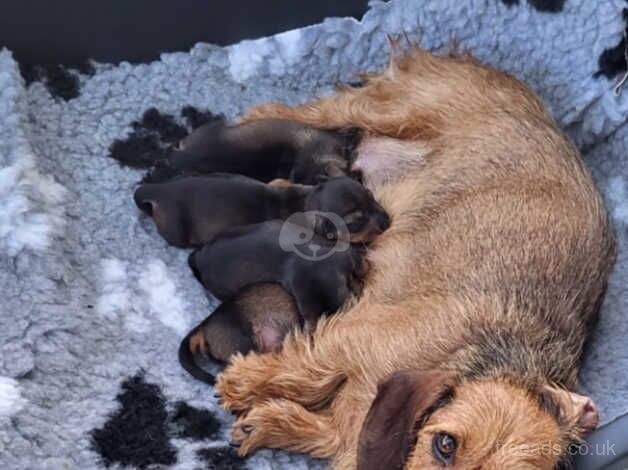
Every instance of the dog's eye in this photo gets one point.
(444, 448)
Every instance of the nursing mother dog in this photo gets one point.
(463, 351)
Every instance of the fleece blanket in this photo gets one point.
(93, 303)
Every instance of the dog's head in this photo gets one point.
(427, 419)
(362, 216)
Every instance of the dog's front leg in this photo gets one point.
(297, 373)
(311, 368)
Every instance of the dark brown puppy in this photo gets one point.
(266, 150)
(318, 273)
(190, 211)
(257, 319)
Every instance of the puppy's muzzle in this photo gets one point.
(378, 224)
(382, 221)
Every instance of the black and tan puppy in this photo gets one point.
(257, 319)
(265, 150)
(319, 274)
(191, 211)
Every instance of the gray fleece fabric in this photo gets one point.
(94, 303)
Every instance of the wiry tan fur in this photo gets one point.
(494, 268)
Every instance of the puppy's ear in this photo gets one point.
(572, 411)
(389, 430)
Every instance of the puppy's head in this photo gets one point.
(424, 420)
(156, 201)
(324, 154)
(362, 215)
(311, 171)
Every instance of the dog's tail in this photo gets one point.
(189, 346)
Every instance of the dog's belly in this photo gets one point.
(382, 159)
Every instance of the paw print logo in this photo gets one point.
(314, 235)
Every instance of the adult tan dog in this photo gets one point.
(464, 349)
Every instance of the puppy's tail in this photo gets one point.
(187, 357)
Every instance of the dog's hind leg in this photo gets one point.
(398, 102)
(311, 369)
(284, 424)
(418, 97)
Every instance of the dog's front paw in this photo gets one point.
(268, 424)
(238, 386)
(245, 434)
(283, 424)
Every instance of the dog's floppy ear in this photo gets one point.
(388, 431)
(571, 410)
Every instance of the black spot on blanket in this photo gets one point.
(152, 139)
(149, 140)
(547, 6)
(138, 150)
(163, 125)
(221, 458)
(612, 61)
(137, 434)
(195, 423)
(153, 135)
(160, 172)
(196, 118)
(62, 81)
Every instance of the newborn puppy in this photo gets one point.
(256, 319)
(265, 150)
(191, 211)
(319, 274)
